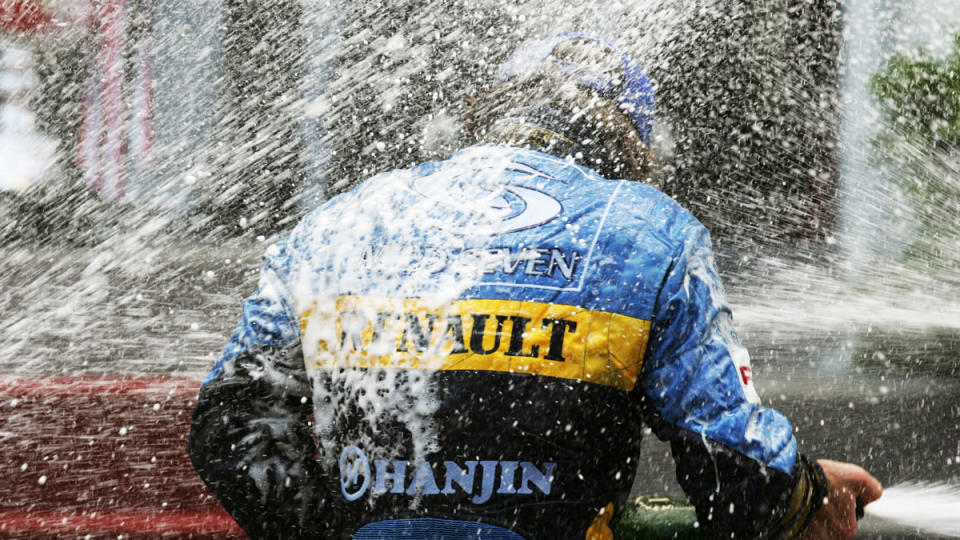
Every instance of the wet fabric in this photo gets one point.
(433, 528)
(484, 338)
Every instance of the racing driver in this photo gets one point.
(471, 348)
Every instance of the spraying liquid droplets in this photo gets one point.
(932, 507)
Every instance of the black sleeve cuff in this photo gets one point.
(807, 498)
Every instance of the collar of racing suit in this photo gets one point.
(546, 130)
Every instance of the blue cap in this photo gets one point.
(634, 93)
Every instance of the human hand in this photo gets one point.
(837, 518)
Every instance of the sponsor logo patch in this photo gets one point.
(511, 207)
(354, 473)
(514, 336)
(551, 263)
(480, 479)
(522, 208)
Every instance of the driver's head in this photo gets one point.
(571, 94)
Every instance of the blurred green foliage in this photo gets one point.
(656, 518)
(920, 95)
(919, 149)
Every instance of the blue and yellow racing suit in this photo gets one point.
(472, 348)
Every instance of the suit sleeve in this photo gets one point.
(736, 460)
(250, 438)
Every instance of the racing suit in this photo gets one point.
(471, 348)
